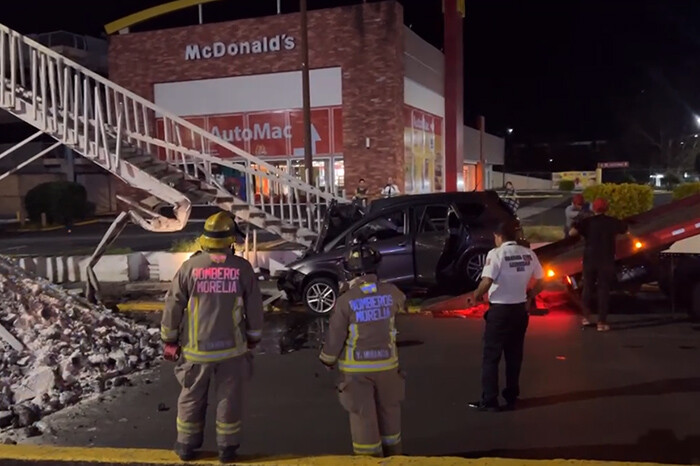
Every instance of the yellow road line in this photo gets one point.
(37, 454)
(141, 306)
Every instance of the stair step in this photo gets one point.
(273, 222)
(151, 202)
(257, 215)
(172, 177)
(158, 167)
(222, 199)
(140, 161)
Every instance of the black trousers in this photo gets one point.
(597, 280)
(506, 325)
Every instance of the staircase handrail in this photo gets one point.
(281, 175)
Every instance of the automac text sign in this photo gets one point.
(232, 49)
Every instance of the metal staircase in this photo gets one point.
(172, 169)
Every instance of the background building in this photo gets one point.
(377, 92)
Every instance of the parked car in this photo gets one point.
(428, 242)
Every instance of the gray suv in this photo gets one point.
(430, 243)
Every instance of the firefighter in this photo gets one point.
(600, 232)
(361, 340)
(214, 312)
(509, 269)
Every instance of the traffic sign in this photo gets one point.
(613, 165)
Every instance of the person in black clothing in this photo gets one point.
(361, 193)
(600, 232)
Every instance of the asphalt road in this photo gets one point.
(631, 394)
(84, 239)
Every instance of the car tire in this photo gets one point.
(320, 295)
(470, 269)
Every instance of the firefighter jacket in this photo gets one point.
(213, 308)
(362, 336)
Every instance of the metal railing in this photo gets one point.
(85, 110)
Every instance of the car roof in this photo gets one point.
(412, 199)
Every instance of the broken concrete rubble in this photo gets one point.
(72, 349)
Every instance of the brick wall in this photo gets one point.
(365, 40)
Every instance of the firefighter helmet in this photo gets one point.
(219, 230)
(360, 259)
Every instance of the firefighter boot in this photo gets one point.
(184, 452)
(227, 454)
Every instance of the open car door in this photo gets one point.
(338, 218)
(430, 241)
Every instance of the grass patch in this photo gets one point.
(543, 233)
(88, 251)
(186, 245)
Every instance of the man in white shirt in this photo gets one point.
(508, 271)
(391, 189)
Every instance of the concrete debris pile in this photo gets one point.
(72, 350)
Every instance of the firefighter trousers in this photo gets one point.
(226, 379)
(373, 401)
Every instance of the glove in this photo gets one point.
(171, 352)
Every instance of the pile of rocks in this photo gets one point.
(71, 350)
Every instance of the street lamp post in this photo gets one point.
(306, 94)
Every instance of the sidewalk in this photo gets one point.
(539, 207)
(63, 455)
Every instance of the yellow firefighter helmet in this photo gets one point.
(219, 230)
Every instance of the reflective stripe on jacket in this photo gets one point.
(362, 333)
(215, 299)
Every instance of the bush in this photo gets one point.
(625, 199)
(567, 185)
(63, 202)
(686, 190)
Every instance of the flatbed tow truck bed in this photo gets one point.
(651, 232)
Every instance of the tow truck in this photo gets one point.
(663, 247)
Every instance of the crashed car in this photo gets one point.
(429, 243)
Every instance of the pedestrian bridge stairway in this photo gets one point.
(165, 160)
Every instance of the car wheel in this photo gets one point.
(320, 295)
(474, 265)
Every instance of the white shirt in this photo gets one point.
(390, 190)
(511, 267)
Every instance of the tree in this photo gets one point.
(657, 124)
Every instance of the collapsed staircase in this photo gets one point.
(171, 169)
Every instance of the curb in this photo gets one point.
(55, 227)
(78, 455)
(141, 306)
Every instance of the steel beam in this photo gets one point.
(21, 143)
(29, 160)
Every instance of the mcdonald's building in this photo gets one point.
(377, 100)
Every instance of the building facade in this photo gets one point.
(376, 92)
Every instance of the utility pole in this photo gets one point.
(306, 95)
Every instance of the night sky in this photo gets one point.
(551, 69)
